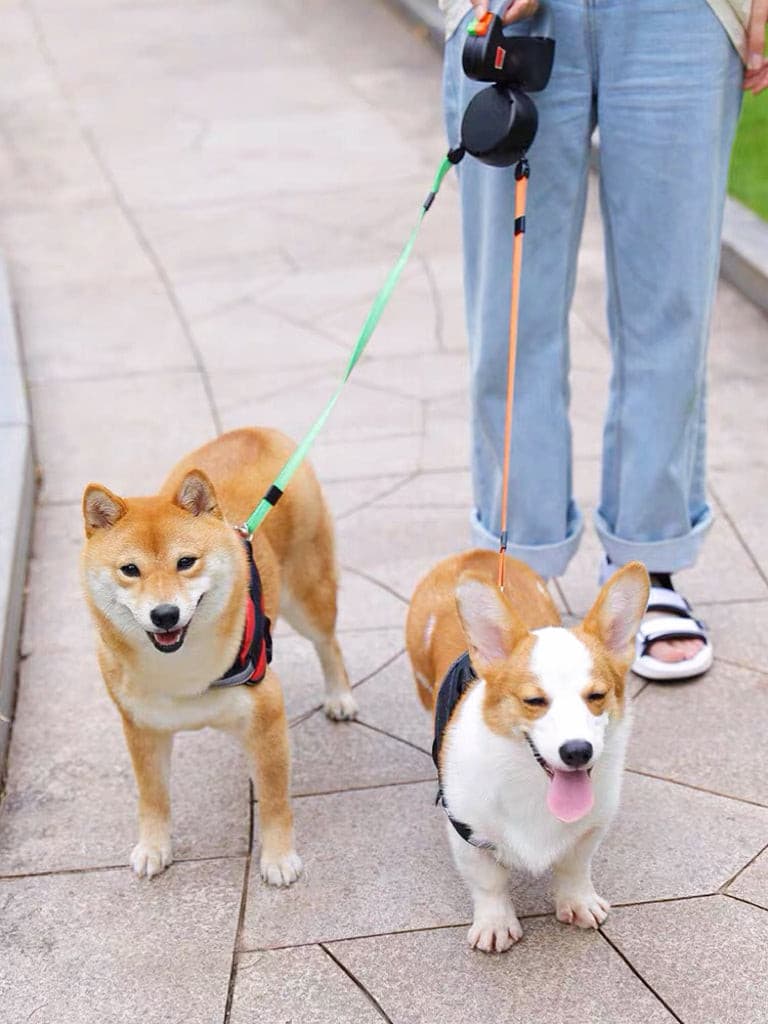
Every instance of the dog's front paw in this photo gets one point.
(494, 935)
(149, 859)
(341, 707)
(585, 910)
(281, 870)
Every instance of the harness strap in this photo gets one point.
(250, 665)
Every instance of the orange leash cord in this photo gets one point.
(522, 172)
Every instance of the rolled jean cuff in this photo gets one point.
(669, 555)
(547, 560)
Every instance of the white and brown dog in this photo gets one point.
(531, 728)
(181, 605)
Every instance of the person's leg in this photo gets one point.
(544, 524)
(668, 101)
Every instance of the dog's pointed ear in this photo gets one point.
(196, 495)
(615, 617)
(492, 628)
(101, 508)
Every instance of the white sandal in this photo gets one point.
(678, 624)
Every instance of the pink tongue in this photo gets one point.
(570, 795)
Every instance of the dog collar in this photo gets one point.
(250, 665)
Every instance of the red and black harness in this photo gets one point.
(250, 665)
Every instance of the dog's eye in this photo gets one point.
(535, 702)
(185, 563)
(595, 697)
(130, 570)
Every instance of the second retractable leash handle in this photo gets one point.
(498, 128)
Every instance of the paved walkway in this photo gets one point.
(199, 200)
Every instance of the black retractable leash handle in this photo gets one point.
(500, 122)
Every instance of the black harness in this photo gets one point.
(250, 665)
(458, 679)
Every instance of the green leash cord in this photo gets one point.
(283, 478)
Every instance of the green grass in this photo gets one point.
(748, 179)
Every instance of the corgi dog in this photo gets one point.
(181, 602)
(531, 727)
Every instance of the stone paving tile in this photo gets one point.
(446, 434)
(388, 701)
(589, 395)
(708, 733)
(736, 489)
(162, 415)
(375, 861)
(363, 602)
(232, 162)
(740, 353)
(44, 160)
(244, 336)
(295, 661)
(735, 419)
(70, 796)
(93, 244)
(402, 574)
(371, 459)
(409, 324)
(297, 985)
(670, 841)
(332, 756)
(345, 497)
(102, 946)
(705, 957)
(427, 534)
(101, 330)
(753, 883)
(451, 488)
(56, 616)
(258, 244)
(364, 413)
(429, 376)
(553, 975)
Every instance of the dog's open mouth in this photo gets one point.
(170, 641)
(569, 794)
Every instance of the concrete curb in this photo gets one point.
(744, 253)
(17, 472)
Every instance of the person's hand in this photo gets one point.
(756, 77)
(519, 9)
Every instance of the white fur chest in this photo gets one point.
(170, 691)
(494, 785)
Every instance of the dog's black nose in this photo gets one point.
(165, 616)
(575, 753)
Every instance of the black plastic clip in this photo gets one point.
(522, 170)
(273, 495)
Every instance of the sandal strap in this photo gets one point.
(662, 599)
(671, 627)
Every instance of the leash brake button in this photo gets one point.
(480, 26)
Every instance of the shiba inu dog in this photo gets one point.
(182, 609)
(530, 728)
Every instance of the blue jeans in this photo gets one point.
(663, 82)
